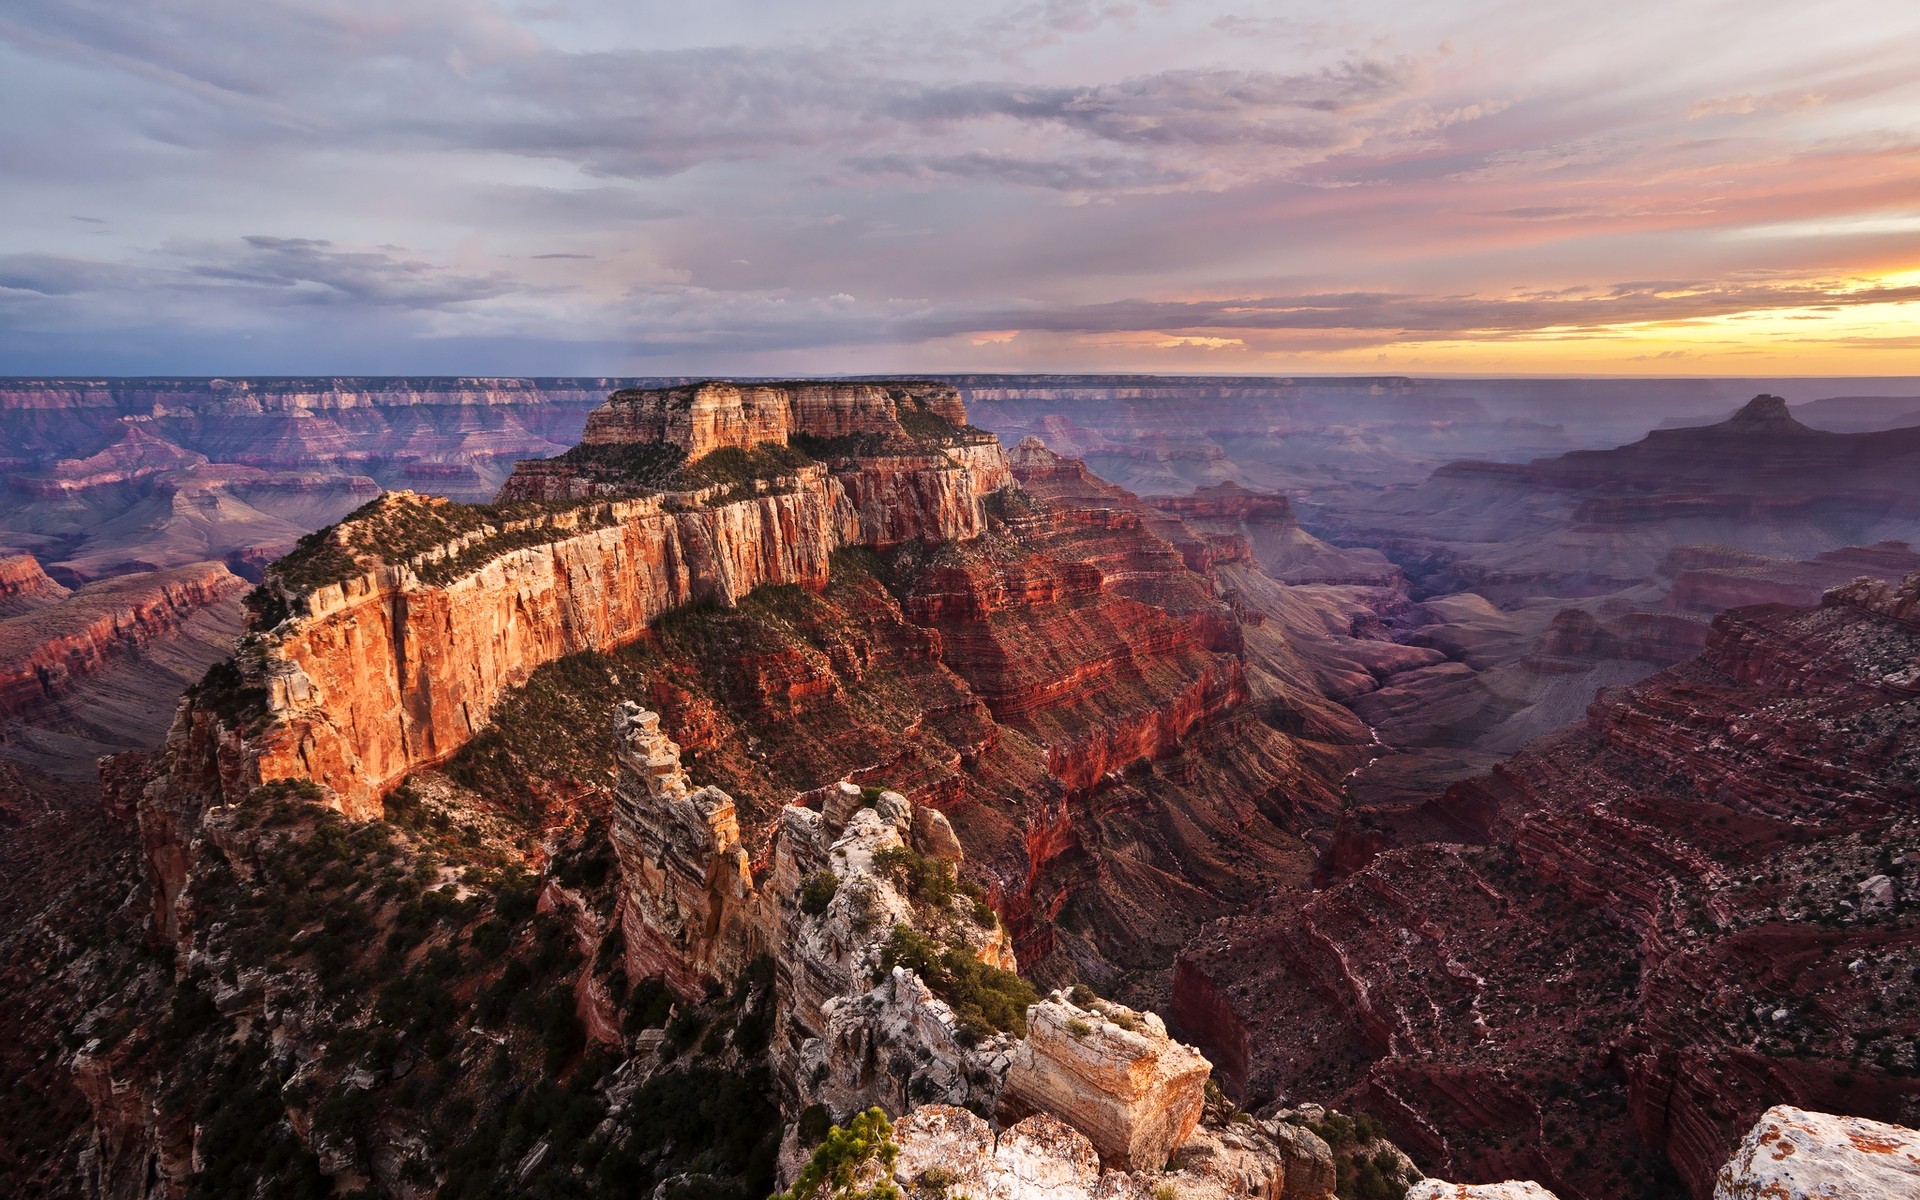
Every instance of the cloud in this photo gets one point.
(818, 184)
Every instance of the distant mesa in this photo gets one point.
(1766, 414)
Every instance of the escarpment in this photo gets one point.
(1040, 660)
(384, 643)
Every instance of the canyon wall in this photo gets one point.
(438, 654)
(46, 652)
(1647, 927)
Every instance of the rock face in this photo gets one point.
(689, 892)
(846, 1017)
(854, 1027)
(1113, 1074)
(946, 1150)
(45, 653)
(24, 586)
(1655, 898)
(705, 417)
(1043, 662)
(438, 636)
(1791, 1154)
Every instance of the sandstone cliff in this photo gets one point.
(705, 417)
(862, 919)
(437, 632)
(24, 586)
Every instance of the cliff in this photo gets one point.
(893, 987)
(46, 652)
(705, 417)
(419, 609)
(24, 586)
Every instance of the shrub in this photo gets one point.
(983, 998)
(818, 892)
(837, 1163)
(929, 880)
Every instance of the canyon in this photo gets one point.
(1691, 905)
(786, 749)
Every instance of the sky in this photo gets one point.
(857, 186)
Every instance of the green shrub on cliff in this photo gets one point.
(852, 1163)
(984, 998)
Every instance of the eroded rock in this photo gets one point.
(1793, 1154)
(1113, 1073)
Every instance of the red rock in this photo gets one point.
(24, 586)
(44, 653)
(1639, 903)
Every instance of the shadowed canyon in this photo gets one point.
(1262, 789)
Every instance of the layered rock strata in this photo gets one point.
(24, 586)
(1693, 906)
(704, 417)
(854, 1027)
(436, 637)
(46, 653)
(1129, 1088)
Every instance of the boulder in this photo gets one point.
(1112, 1073)
(1792, 1154)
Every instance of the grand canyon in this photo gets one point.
(1078, 786)
(1032, 600)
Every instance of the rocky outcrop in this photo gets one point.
(704, 417)
(1792, 1154)
(946, 1150)
(24, 586)
(1511, 1189)
(439, 636)
(1265, 523)
(1789, 1154)
(46, 653)
(689, 893)
(853, 1029)
(1112, 1073)
(842, 900)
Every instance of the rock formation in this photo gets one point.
(44, 653)
(701, 418)
(437, 631)
(844, 902)
(24, 586)
(1791, 1154)
(1113, 1074)
(1596, 521)
(97, 670)
(689, 892)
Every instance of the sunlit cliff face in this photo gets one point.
(469, 186)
